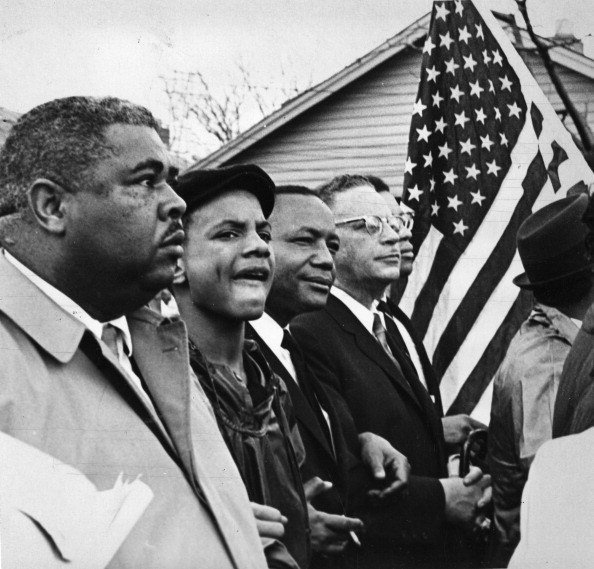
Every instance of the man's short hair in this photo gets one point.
(339, 184)
(295, 191)
(60, 140)
(379, 185)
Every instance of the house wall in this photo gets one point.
(364, 127)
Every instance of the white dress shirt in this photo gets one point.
(124, 339)
(272, 334)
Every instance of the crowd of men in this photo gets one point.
(211, 371)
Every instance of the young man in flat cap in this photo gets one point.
(551, 243)
(228, 269)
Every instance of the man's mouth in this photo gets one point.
(175, 238)
(260, 274)
(320, 280)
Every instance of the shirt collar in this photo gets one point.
(362, 313)
(269, 330)
(69, 306)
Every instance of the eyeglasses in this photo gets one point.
(374, 224)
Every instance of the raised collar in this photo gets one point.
(361, 313)
(565, 325)
(269, 330)
(69, 306)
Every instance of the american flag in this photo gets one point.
(485, 150)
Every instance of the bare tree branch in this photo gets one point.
(585, 134)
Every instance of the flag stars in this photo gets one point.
(450, 177)
(492, 168)
(505, 83)
(456, 93)
(497, 59)
(432, 184)
(451, 66)
(432, 74)
(479, 31)
(491, 86)
(461, 119)
(445, 40)
(434, 209)
(444, 150)
(429, 46)
(460, 227)
(476, 89)
(480, 115)
(467, 146)
(514, 110)
(441, 11)
(414, 193)
(497, 113)
(469, 62)
(454, 202)
(477, 198)
(486, 57)
(472, 171)
(437, 99)
(464, 34)
(504, 141)
(440, 125)
(459, 7)
(418, 108)
(423, 133)
(409, 166)
(486, 142)
(428, 160)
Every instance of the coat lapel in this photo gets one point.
(428, 371)
(161, 353)
(369, 345)
(301, 406)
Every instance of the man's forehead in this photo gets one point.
(360, 200)
(293, 211)
(137, 143)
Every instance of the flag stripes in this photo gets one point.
(480, 377)
(491, 272)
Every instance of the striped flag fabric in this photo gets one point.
(486, 149)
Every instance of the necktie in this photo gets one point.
(380, 334)
(110, 337)
(393, 331)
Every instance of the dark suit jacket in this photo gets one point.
(349, 360)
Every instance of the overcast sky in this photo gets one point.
(57, 48)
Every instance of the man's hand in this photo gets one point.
(457, 427)
(385, 463)
(329, 532)
(269, 521)
(465, 496)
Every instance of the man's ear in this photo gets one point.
(179, 276)
(47, 200)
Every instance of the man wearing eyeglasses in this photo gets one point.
(456, 427)
(350, 350)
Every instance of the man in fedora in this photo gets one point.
(552, 247)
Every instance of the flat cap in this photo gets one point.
(198, 187)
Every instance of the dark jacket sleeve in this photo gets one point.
(414, 516)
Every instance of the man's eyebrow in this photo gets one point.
(151, 164)
(263, 225)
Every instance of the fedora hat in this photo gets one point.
(552, 243)
(197, 187)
